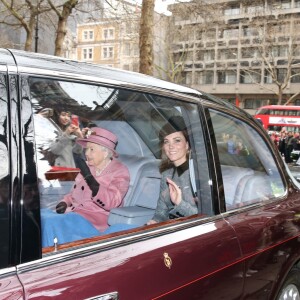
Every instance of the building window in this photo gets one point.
(88, 53)
(295, 76)
(268, 77)
(249, 31)
(206, 55)
(227, 54)
(126, 49)
(88, 35)
(226, 77)
(250, 76)
(280, 51)
(253, 103)
(188, 78)
(250, 52)
(233, 10)
(107, 52)
(255, 10)
(229, 33)
(281, 74)
(205, 77)
(108, 33)
(281, 28)
(210, 34)
(282, 4)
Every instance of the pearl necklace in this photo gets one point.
(99, 172)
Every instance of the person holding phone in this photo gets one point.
(68, 131)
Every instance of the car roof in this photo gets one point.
(35, 61)
(55, 63)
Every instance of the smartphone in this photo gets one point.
(75, 120)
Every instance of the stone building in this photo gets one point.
(238, 49)
(113, 40)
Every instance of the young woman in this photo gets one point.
(64, 145)
(176, 198)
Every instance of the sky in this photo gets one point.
(161, 5)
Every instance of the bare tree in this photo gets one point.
(146, 37)
(63, 12)
(180, 46)
(176, 55)
(273, 54)
(18, 14)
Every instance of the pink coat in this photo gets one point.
(114, 183)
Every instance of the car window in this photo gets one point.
(136, 119)
(249, 172)
(4, 177)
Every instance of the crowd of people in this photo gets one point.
(286, 142)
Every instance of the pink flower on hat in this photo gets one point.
(101, 137)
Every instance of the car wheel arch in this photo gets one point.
(285, 278)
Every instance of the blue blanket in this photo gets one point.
(65, 227)
(71, 227)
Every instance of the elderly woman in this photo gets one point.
(176, 198)
(102, 183)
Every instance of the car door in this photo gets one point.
(258, 205)
(182, 257)
(189, 262)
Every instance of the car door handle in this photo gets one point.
(109, 296)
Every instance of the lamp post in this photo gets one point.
(37, 29)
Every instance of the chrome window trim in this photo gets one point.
(8, 272)
(256, 205)
(63, 255)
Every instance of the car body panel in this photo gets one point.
(10, 286)
(143, 265)
(269, 238)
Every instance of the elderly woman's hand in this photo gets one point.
(61, 207)
(175, 192)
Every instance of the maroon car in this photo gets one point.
(242, 244)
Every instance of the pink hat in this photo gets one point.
(101, 137)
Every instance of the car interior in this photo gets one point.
(136, 119)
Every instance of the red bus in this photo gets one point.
(274, 117)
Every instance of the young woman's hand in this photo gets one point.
(175, 192)
(73, 129)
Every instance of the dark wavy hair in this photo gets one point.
(55, 118)
(174, 124)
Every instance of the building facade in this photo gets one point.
(114, 39)
(240, 51)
